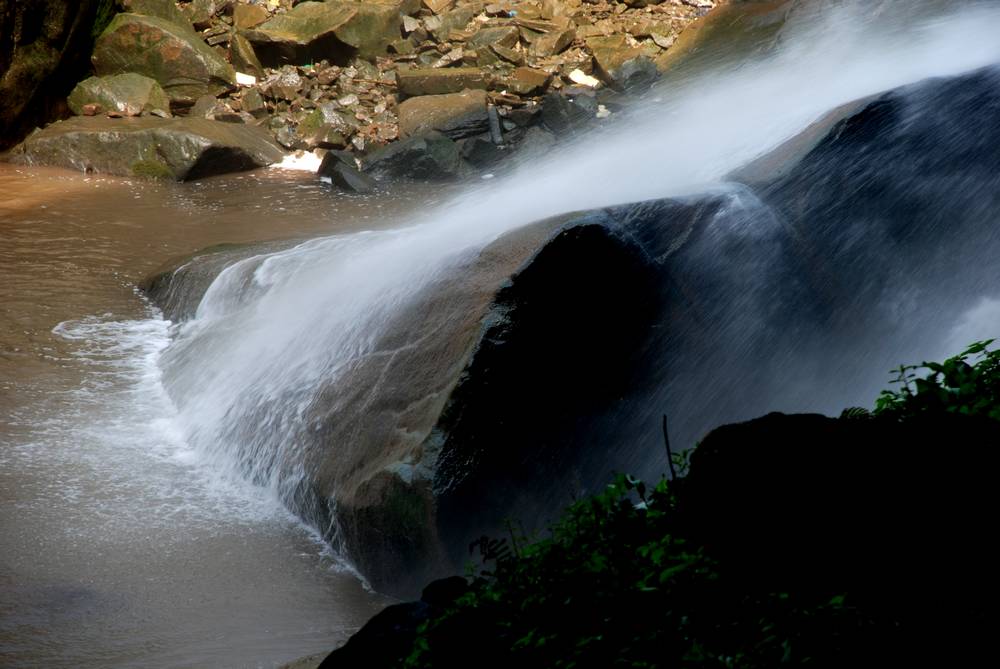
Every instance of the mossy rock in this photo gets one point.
(174, 55)
(129, 93)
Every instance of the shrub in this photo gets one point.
(968, 384)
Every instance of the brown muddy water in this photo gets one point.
(119, 547)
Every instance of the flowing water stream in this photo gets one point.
(118, 545)
(144, 464)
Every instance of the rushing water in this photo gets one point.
(119, 546)
(134, 533)
(273, 331)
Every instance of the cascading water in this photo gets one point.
(274, 360)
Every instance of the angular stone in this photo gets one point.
(333, 30)
(130, 93)
(455, 115)
(552, 43)
(243, 57)
(509, 55)
(163, 9)
(200, 13)
(345, 175)
(248, 16)
(527, 81)
(481, 152)
(431, 156)
(456, 19)
(181, 149)
(174, 56)
(505, 36)
(203, 107)
(566, 111)
(610, 53)
(438, 6)
(306, 34)
(636, 74)
(438, 81)
(253, 103)
(375, 26)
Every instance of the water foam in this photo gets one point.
(272, 329)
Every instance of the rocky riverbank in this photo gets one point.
(401, 88)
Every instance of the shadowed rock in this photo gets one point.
(44, 47)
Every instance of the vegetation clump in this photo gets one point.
(623, 580)
(968, 384)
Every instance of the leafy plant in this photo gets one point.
(616, 584)
(968, 383)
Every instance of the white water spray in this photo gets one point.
(273, 330)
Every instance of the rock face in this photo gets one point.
(130, 94)
(180, 149)
(44, 46)
(455, 115)
(175, 56)
(332, 30)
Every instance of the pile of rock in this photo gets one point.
(462, 81)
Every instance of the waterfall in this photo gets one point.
(273, 354)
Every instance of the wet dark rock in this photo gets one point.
(131, 94)
(388, 636)
(174, 56)
(455, 115)
(344, 174)
(568, 110)
(634, 75)
(429, 156)
(181, 149)
(481, 151)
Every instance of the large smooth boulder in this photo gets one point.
(44, 46)
(173, 55)
(182, 149)
(335, 31)
(130, 94)
(455, 115)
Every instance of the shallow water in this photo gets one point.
(119, 547)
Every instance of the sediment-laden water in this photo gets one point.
(118, 546)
